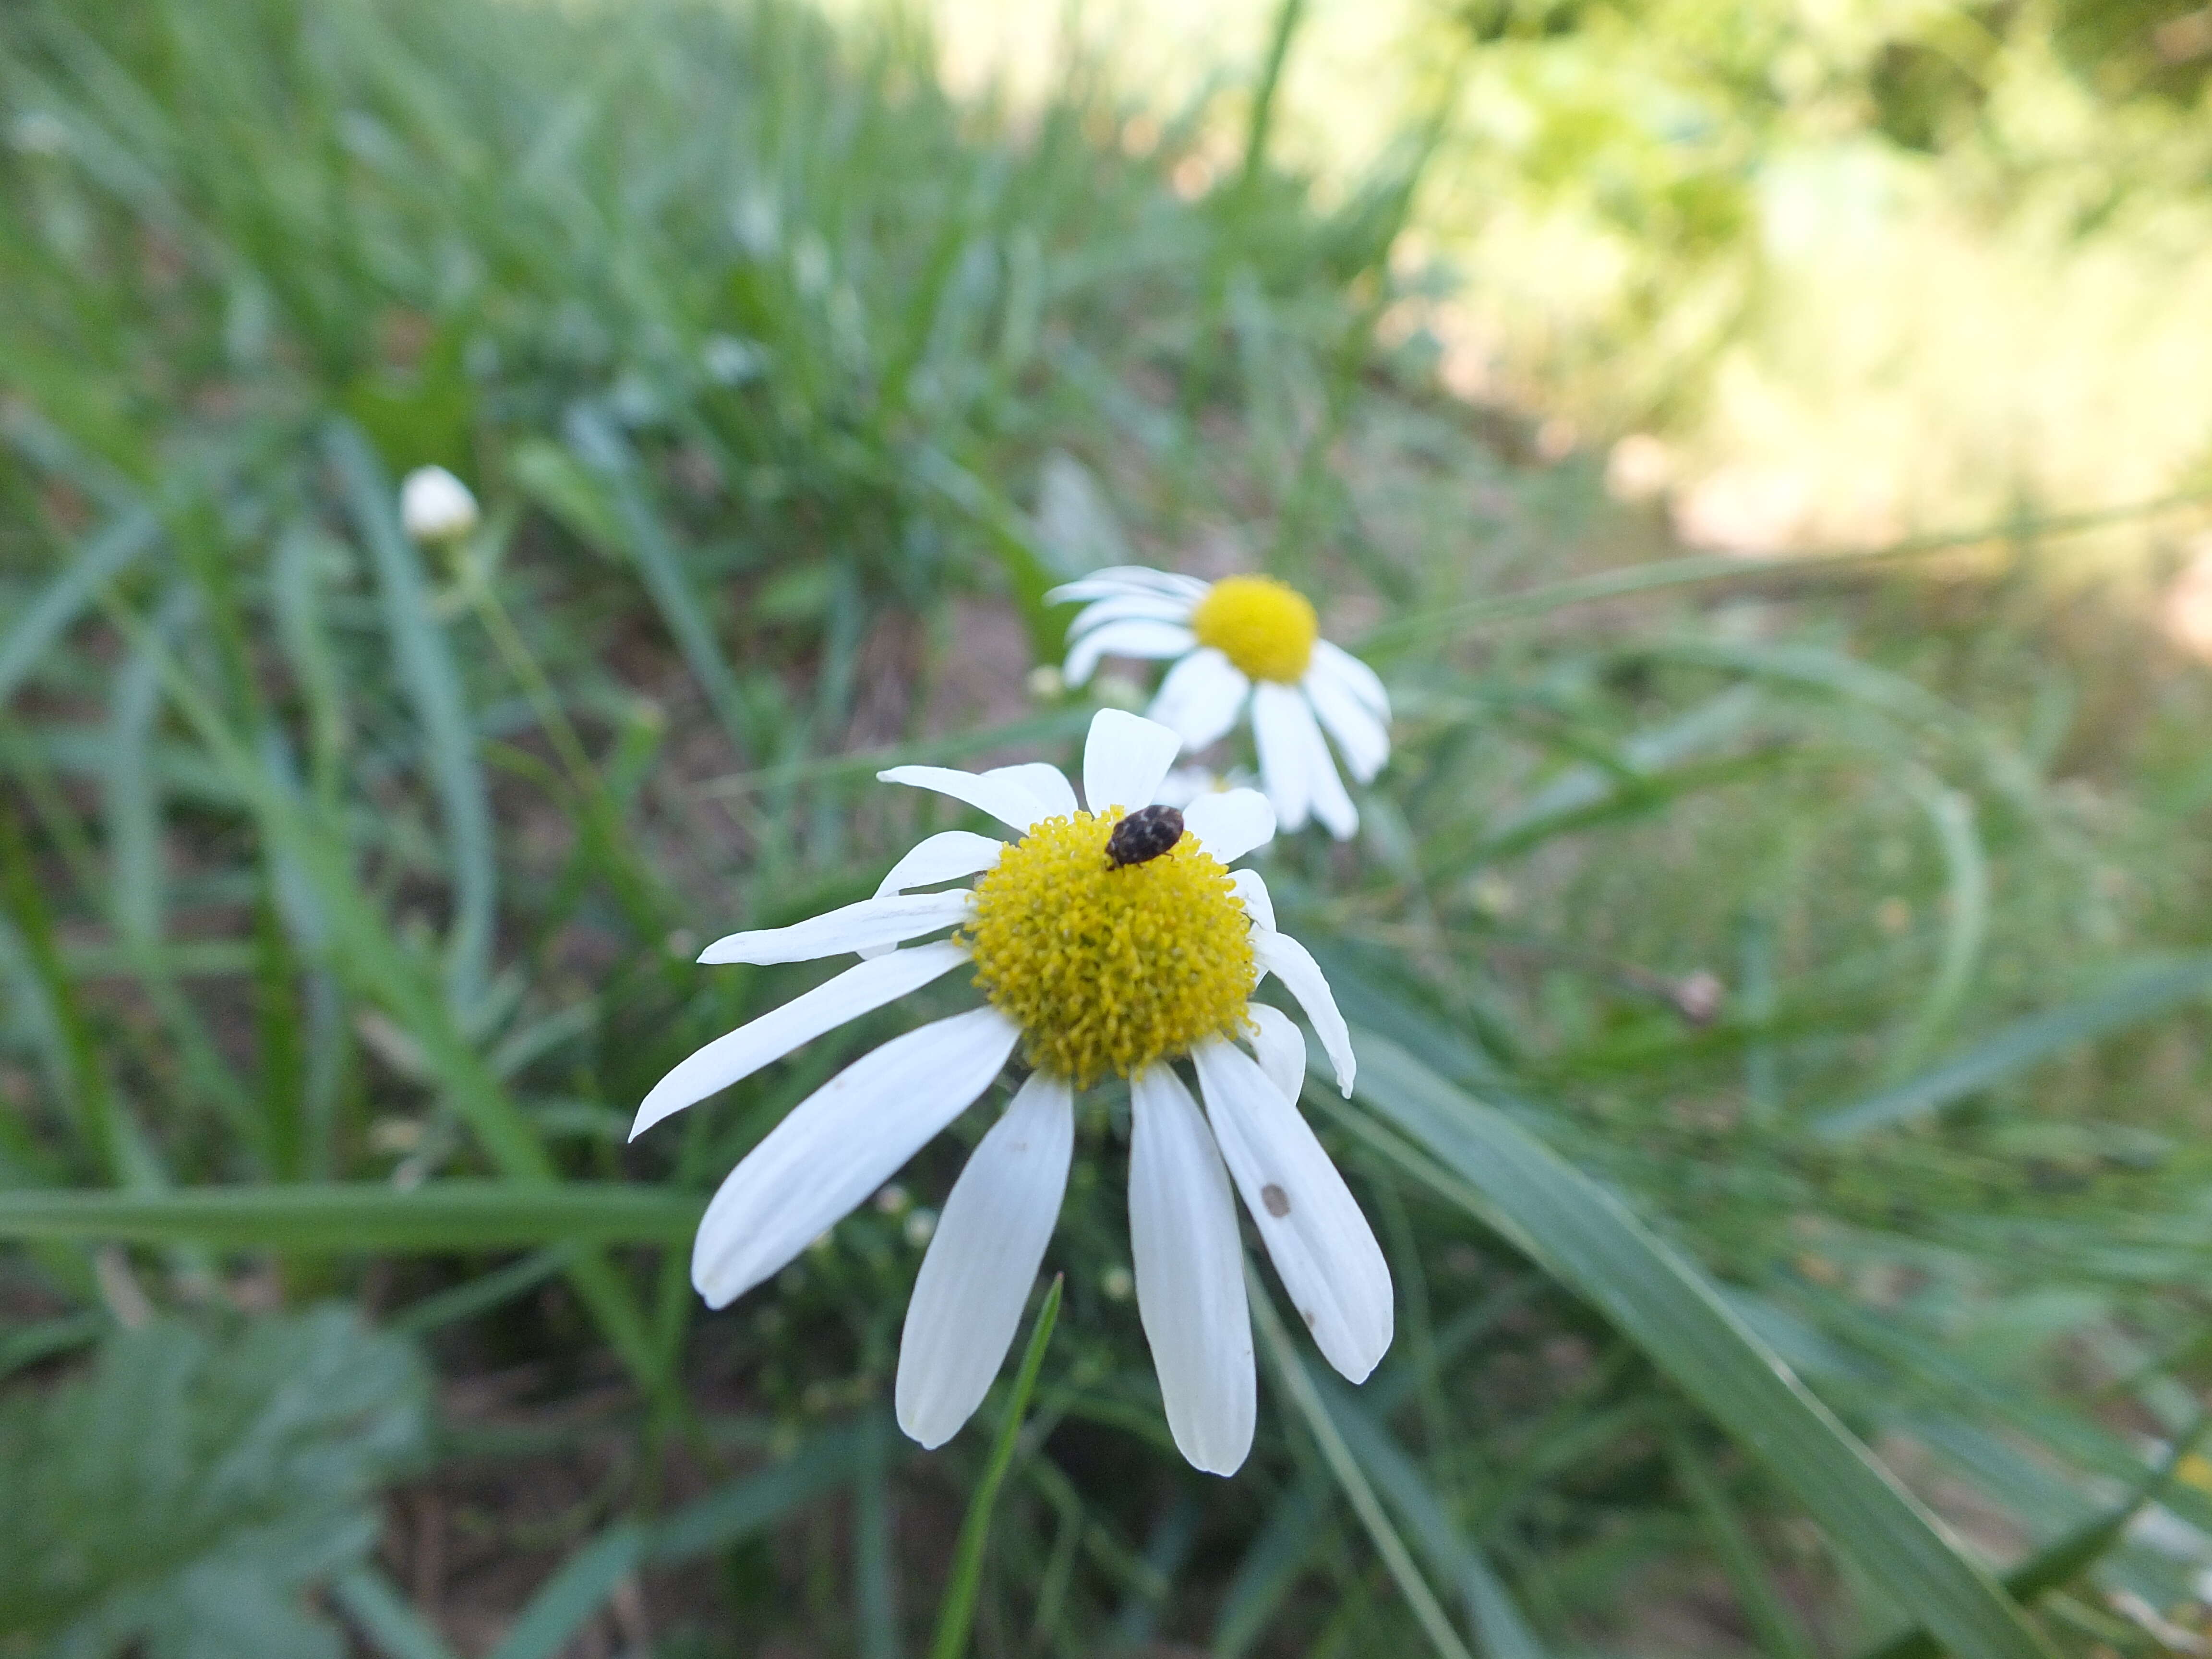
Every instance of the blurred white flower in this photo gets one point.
(435, 507)
(1109, 941)
(1242, 636)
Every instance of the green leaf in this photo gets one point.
(187, 1494)
(2140, 996)
(1586, 1238)
(438, 1216)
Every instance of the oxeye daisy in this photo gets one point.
(1114, 941)
(1240, 636)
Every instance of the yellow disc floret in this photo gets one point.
(1265, 627)
(1108, 968)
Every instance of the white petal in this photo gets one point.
(1280, 1047)
(1259, 903)
(762, 1042)
(1201, 697)
(1132, 606)
(1354, 675)
(864, 926)
(1364, 740)
(1284, 957)
(1125, 638)
(1331, 806)
(1190, 1275)
(1044, 781)
(945, 857)
(839, 1144)
(982, 1259)
(1299, 747)
(1280, 716)
(1320, 1242)
(1121, 579)
(1124, 759)
(1004, 798)
(1231, 823)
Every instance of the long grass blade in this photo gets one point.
(1290, 1371)
(439, 1217)
(104, 556)
(576, 1592)
(1587, 1238)
(2142, 996)
(382, 1615)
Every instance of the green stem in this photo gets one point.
(958, 1613)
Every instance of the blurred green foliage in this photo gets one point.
(1750, 967)
(183, 1495)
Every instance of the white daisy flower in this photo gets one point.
(1105, 942)
(1242, 633)
(435, 507)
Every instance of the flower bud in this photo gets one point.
(436, 506)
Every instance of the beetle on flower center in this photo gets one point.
(1114, 940)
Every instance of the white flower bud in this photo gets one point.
(436, 506)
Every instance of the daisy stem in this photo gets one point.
(958, 1612)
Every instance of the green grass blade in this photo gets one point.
(438, 1216)
(1966, 924)
(1772, 1618)
(660, 566)
(574, 1594)
(23, 902)
(737, 1511)
(958, 1612)
(2140, 996)
(1588, 1239)
(1501, 1629)
(2067, 1558)
(1272, 1567)
(66, 596)
(362, 947)
(424, 658)
(481, 1294)
(1351, 1478)
(382, 1615)
(875, 1563)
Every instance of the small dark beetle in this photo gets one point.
(1144, 835)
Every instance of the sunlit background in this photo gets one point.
(1765, 444)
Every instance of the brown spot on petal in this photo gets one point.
(1277, 1200)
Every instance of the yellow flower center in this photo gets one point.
(1265, 627)
(1106, 966)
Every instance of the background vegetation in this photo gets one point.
(1764, 970)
